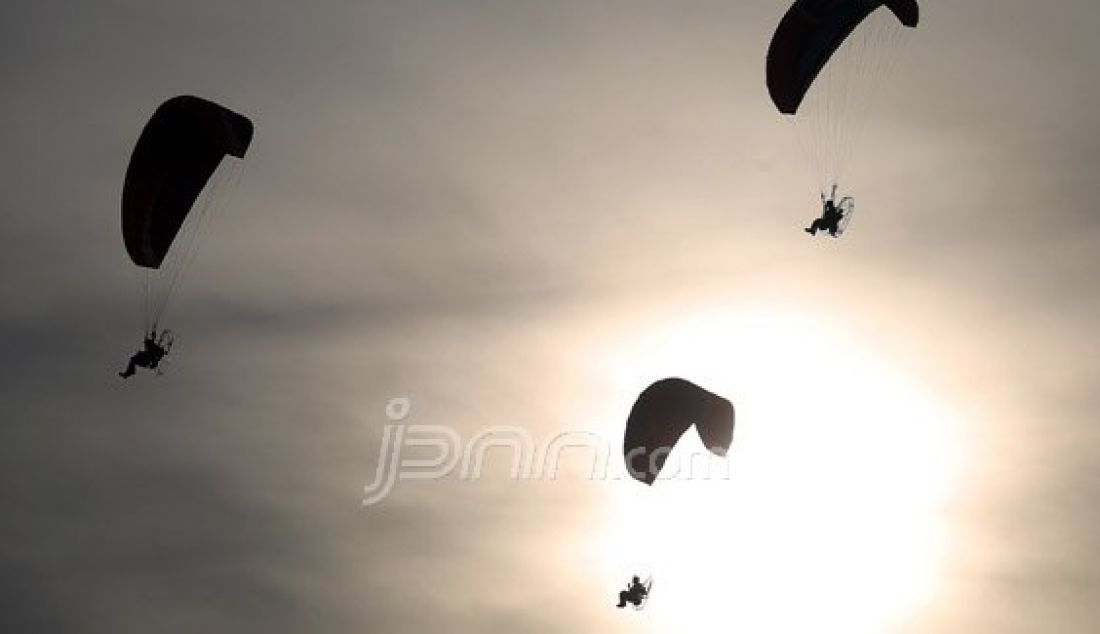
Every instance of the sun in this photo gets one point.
(830, 517)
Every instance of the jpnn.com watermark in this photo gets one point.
(442, 452)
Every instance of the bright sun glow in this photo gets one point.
(831, 519)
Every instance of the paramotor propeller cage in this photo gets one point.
(164, 340)
(847, 208)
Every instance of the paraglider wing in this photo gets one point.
(661, 415)
(809, 34)
(178, 151)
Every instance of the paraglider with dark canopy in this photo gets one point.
(825, 63)
(178, 151)
(660, 416)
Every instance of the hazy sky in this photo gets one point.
(514, 212)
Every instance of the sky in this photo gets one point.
(510, 213)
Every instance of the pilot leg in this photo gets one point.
(129, 371)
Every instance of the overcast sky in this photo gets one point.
(520, 212)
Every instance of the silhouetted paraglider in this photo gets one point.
(835, 216)
(636, 593)
(177, 153)
(826, 60)
(154, 349)
(657, 421)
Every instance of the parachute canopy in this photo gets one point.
(809, 34)
(827, 61)
(661, 415)
(178, 151)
